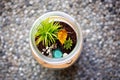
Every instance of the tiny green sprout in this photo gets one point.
(68, 44)
(47, 32)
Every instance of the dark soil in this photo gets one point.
(71, 33)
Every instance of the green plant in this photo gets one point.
(68, 44)
(47, 32)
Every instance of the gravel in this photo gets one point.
(100, 57)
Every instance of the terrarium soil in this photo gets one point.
(71, 33)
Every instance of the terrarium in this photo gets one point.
(56, 40)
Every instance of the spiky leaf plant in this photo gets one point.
(47, 32)
(68, 44)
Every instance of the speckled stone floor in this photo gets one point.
(100, 57)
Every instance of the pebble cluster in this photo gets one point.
(53, 52)
(100, 57)
(47, 52)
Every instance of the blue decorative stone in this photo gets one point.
(57, 53)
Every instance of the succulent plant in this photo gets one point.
(68, 43)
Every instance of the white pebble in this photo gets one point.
(31, 2)
(47, 47)
(53, 46)
(65, 54)
(42, 52)
(44, 49)
(50, 55)
(48, 50)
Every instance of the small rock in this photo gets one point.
(31, 2)
(53, 46)
(32, 11)
(47, 47)
(48, 51)
(50, 55)
(44, 50)
(15, 58)
(46, 54)
(26, 12)
(18, 21)
(65, 54)
(57, 53)
(87, 31)
(90, 0)
(21, 74)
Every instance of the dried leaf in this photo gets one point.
(62, 35)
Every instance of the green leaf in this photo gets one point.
(38, 40)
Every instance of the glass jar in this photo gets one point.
(63, 62)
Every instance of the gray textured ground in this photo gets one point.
(99, 19)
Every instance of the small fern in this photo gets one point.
(68, 44)
(47, 32)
